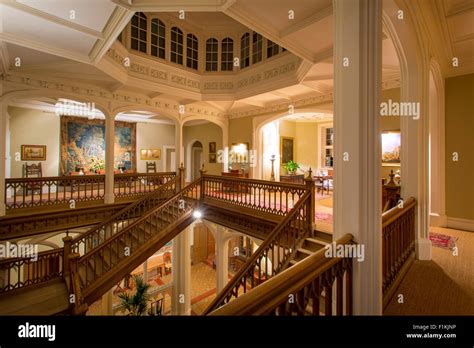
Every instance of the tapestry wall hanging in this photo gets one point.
(83, 145)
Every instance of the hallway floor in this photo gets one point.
(442, 286)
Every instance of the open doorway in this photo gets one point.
(196, 159)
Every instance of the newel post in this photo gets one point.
(202, 171)
(66, 255)
(310, 205)
(182, 180)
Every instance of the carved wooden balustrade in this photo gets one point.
(398, 245)
(131, 246)
(314, 286)
(264, 196)
(20, 272)
(98, 234)
(60, 190)
(272, 255)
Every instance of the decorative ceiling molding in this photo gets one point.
(388, 83)
(175, 5)
(254, 80)
(85, 92)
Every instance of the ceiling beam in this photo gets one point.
(116, 23)
(306, 22)
(175, 5)
(281, 95)
(54, 19)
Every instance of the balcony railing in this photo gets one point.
(264, 196)
(316, 286)
(63, 191)
(398, 245)
(20, 272)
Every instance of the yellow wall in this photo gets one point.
(307, 145)
(34, 127)
(240, 131)
(153, 136)
(390, 123)
(204, 133)
(460, 139)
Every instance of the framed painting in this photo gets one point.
(391, 142)
(212, 158)
(212, 147)
(33, 152)
(287, 146)
(150, 154)
(83, 145)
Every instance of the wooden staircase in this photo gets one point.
(95, 272)
(310, 245)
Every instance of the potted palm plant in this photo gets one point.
(136, 304)
(291, 167)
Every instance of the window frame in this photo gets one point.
(210, 55)
(177, 55)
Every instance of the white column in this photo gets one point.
(222, 258)
(225, 148)
(109, 158)
(414, 159)
(357, 189)
(107, 303)
(178, 141)
(3, 148)
(145, 271)
(181, 269)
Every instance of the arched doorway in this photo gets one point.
(196, 159)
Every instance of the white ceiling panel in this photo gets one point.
(96, 19)
(30, 27)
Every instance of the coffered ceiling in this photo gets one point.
(51, 42)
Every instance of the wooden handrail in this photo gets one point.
(48, 265)
(268, 296)
(50, 191)
(255, 181)
(259, 253)
(124, 215)
(398, 245)
(139, 233)
(394, 213)
(271, 197)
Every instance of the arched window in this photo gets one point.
(138, 32)
(176, 45)
(192, 51)
(272, 49)
(245, 50)
(227, 54)
(257, 47)
(158, 38)
(211, 54)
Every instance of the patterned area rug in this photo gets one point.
(443, 241)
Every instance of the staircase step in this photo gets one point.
(323, 236)
(314, 244)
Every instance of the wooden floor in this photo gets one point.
(442, 286)
(49, 299)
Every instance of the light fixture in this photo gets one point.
(197, 214)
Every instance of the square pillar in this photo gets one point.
(109, 196)
(357, 189)
(3, 151)
(222, 258)
(181, 269)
